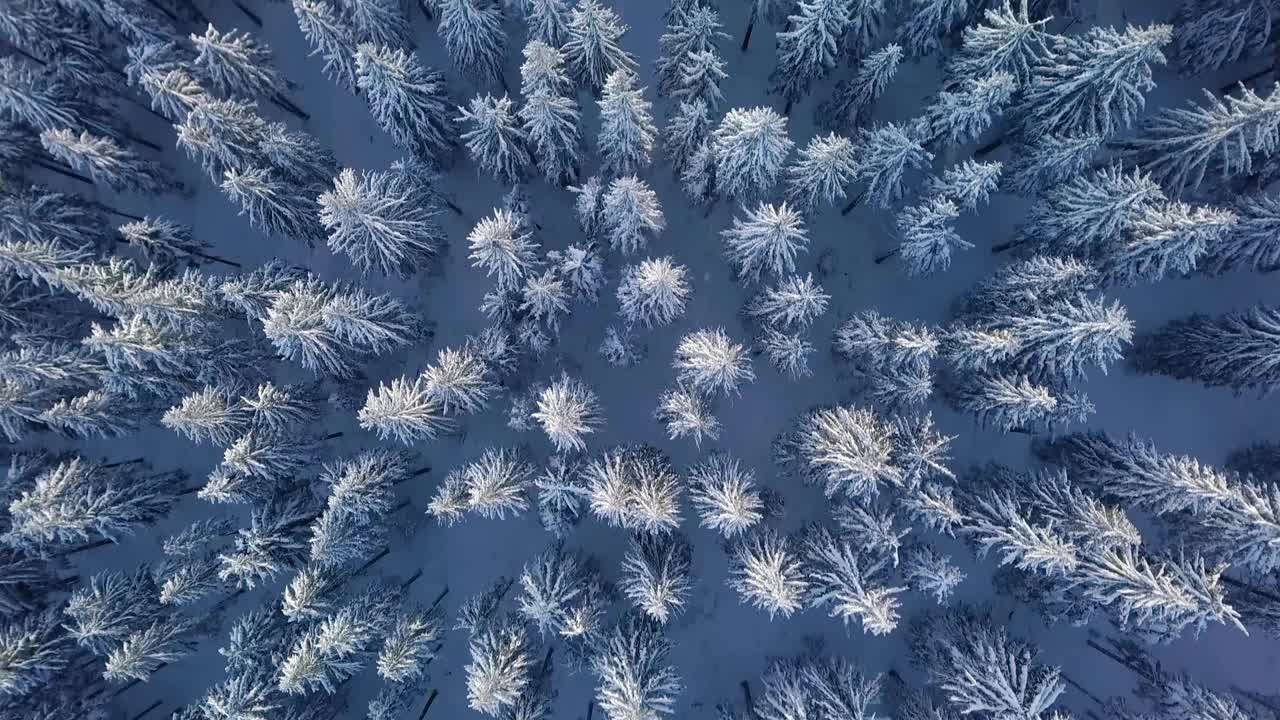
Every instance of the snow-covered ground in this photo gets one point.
(718, 641)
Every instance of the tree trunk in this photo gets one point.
(412, 579)
(989, 148)
(190, 491)
(426, 9)
(1118, 658)
(456, 210)
(1002, 247)
(167, 12)
(146, 143)
(253, 17)
(373, 560)
(746, 694)
(786, 109)
(331, 436)
(118, 213)
(288, 106)
(200, 16)
(746, 39)
(430, 699)
(148, 709)
(1246, 79)
(855, 202)
(139, 104)
(1083, 690)
(61, 171)
(591, 707)
(440, 598)
(885, 256)
(121, 463)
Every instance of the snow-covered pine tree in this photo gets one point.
(968, 184)
(823, 172)
(1233, 350)
(237, 64)
(380, 221)
(1087, 213)
(960, 116)
(768, 240)
(1166, 239)
(381, 22)
(887, 153)
(698, 179)
(1178, 147)
(838, 575)
(404, 410)
(1013, 403)
(750, 149)
(275, 541)
(767, 572)
(1209, 35)
(851, 104)
(162, 242)
(1251, 242)
(1092, 83)
(106, 162)
(701, 75)
(163, 641)
(795, 302)
(568, 410)
(724, 493)
(223, 135)
(931, 573)
(1009, 41)
(630, 210)
(627, 132)
(545, 299)
(110, 607)
(499, 671)
(548, 21)
(711, 362)
(787, 352)
(688, 34)
(632, 675)
(656, 574)
(561, 496)
(495, 139)
(409, 102)
(634, 487)
(593, 48)
(211, 414)
(927, 237)
(331, 36)
(333, 650)
(1019, 287)
(850, 450)
(273, 204)
(551, 123)
(473, 34)
(501, 245)
(1050, 161)
(551, 584)
(35, 647)
(460, 380)
(582, 267)
(928, 22)
(688, 128)
(686, 412)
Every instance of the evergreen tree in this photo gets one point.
(274, 542)
(810, 46)
(633, 679)
(162, 242)
(1088, 212)
(106, 162)
(787, 352)
(627, 132)
(587, 206)
(460, 380)
(826, 167)
(1179, 146)
(473, 34)
(700, 78)
(381, 22)
(551, 585)
(634, 487)
(408, 101)
(968, 184)
(689, 127)
(113, 605)
(1093, 83)
(840, 576)
(34, 649)
(927, 237)
(851, 104)
(545, 299)
(405, 411)
(794, 303)
(846, 448)
(1232, 350)
(750, 149)
(551, 123)
(272, 204)
(932, 574)
(1019, 287)
(711, 362)
(1008, 42)
(568, 410)
(543, 70)
(593, 48)
(656, 574)
(630, 209)
(766, 571)
(688, 34)
(496, 140)
(960, 116)
(582, 268)
(767, 241)
(503, 247)
(698, 179)
(164, 641)
(336, 648)
(1057, 341)
(237, 64)
(381, 221)
(561, 496)
(887, 153)
(548, 21)
(686, 412)
(1251, 242)
(725, 495)
(1210, 35)
(1014, 403)
(929, 22)
(1165, 239)
(295, 324)
(1051, 161)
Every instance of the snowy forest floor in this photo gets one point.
(718, 641)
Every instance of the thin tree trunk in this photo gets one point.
(331, 436)
(84, 548)
(855, 202)
(287, 105)
(190, 491)
(121, 463)
(746, 694)
(39, 61)
(373, 560)
(1118, 658)
(412, 579)
(430, 699)
(118, 213)
(420, 472)
(440, 598)
(591, 707)
(148, 709)
(214, 258)
(253, 17)
(746, 39)
(989, 148)
(426, 10)
(885, 256)
(786, 109)
(1002, 247)
(456, 210)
